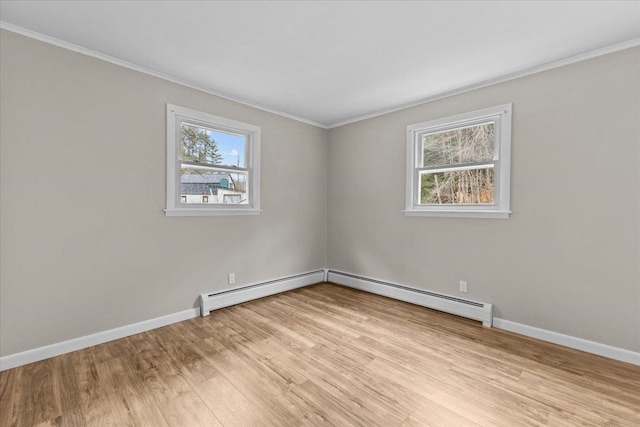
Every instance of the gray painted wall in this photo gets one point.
(85, 243)
(568, 258)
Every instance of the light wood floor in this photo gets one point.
(323, 355)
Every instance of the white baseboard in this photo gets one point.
(216, 300)
(475, 310)
(260, 290)
(226, 298)
(41, 353)
(569, 341)
(407, 294)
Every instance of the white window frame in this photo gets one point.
(500, 208)
(175, 207)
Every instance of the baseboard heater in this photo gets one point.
(480, 311)
(216, 300)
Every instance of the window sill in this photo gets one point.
(210, 212)
(459, 213)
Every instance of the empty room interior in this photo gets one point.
(319, 213)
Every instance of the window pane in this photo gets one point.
(464, 145)
(199, 185)
(211, 146)
(474, 186)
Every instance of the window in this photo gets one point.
(213, 165)
(459, 166)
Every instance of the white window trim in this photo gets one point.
(501, 115)
(174, 206)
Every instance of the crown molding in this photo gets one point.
(505, 78)
(501, 79)
(135, 67)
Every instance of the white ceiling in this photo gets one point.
(332, 62)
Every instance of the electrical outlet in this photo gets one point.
(463, 286)
(232, 278)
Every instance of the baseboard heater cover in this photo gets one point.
(480, 311)
(216, 300)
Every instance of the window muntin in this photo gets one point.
(212, 164)
(459, 166)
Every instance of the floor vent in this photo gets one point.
(216, 300)
(480, 311)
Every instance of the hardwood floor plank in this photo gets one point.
(435, 391)
(273, 325)
(110, 374)
(324, 410)
(92, 395)
(228, 404)
(582, 401)
(64, 381)
(9, 399)
(393, 395)
(261, 386)
(36, 394)
(335, 374)
(194, 368)
(187, 410)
